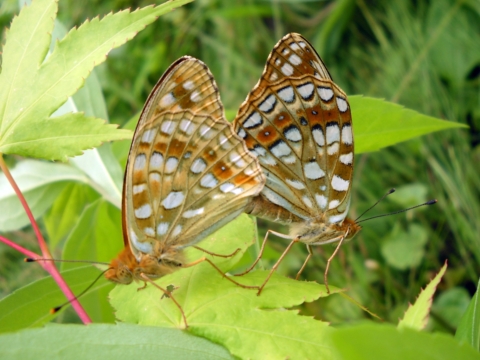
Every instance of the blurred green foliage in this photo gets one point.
(421, 54)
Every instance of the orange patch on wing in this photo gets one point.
(139, 177)
(176, 148)
(268, 135)
(210, 155)
(160, 147)
(222, 171)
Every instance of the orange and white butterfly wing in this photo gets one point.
(187, 173)
(298, 124)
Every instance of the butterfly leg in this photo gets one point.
(262, 249)
(219, 255)
(325, 275)
(309, 248)
(297, 239)
(168, 294)
(220, 271)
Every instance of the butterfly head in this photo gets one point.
(125, 268)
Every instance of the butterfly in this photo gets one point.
(187, 175)
(297, 122)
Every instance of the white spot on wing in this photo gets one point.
(340, 184)
(144, 247)
(306, 200)
(253, 120)
(318, 136)
(333, 204)
(274, 76)
(268, 104)
(143, 212)
(337, 218)
(347, 135)
(187, 126)
(188, 85)
(333, 134)
(167, 100)
(289, 159)
(242, 133)
(177, 230)
(167, 127)
(342, 104)
(149, 231)
(227, 187)
(286, 94)
(293, 134)
(321, 201)
(313, 171)
(295, 59)
(140, 161)
(306, 90)
(156, 161)
(346, 159)
(195, 96)
(162, 228)
(173, 200)
(333, 149)
(137, 189)
(287, 69)
(281, 149)
(149, 135)
(191, 213)
(259, 151)
(198, 166)
(205, 132)
(294, 46)
(325, 93)
(208, 181)
(295, 184)
(237, 160)
(171, 165)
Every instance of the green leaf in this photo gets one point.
(378, 123)
(228, 314)
(405, 249)
(26, 126)
(97, 235)
(374, 341)
(30, 306)
(40, 183)
(417, 314)
(100, 341)
(469, 329)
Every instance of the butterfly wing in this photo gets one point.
(297, 122)
(188, 173)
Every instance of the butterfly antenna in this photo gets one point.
(391, 191)
(67, 261)
(58, 308)
(430, 202)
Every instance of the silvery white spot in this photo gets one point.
(342, 104)
(156, 161)
(277, 62)
(187, 126)
(154, 177)
(313, 171)
(143, 212)
(287, 69)
(140, 161)
(347, 136)
(295, 184)
(208, 181)
(198, 166)
(333, 133)
(268, 104)
(274, 76)
(187, 155)
(242, 133)
(285, 51)
(177, 230)
(318, 136)
(259, 151)
(294, 46)
(237, 159)
(280, 149)
(302, 44)
(325, 93)
(167, 127)
(249, 172)
(149, 231)
(162, 228)
(253, 120)
(333, 149)
(346, 159)
(144, 247)
(340, 184)
(321, 201)
(173, 200)
(295, 59)
(167, 100)
(306, 90)
(195, 96)
(227, 187)
(306, 200)
(289, 159)
(323, 188)
(149, 135)
(276, 199)
(237, 191)
(293, 134)
(206, 132)
(171, 165)
(333, 204)
(188, 85)
(287, 94)
(192, 213)
(337, 218)
(137, 189)
(268, 160)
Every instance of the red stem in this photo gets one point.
(49, 266)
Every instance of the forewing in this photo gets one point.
(187, 172)
(299, 126)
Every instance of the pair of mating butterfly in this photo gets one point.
(288, 158)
